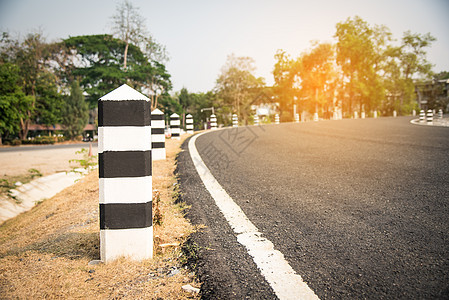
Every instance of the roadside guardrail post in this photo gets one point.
(175, 126)
(157, 135)
(430, 117)
(422, 116)
(235, 120)
(189, 124)
(256, 120)
(213, 122)
(125, 175)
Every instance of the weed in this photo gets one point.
(87, 162)
(34, 173)
(157, 218)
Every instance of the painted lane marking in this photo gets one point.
(271, 263)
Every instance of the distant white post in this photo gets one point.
(125, 187)
(356, 115)
(213, 122)
(375, 114)
(276, 119)
(422, 116)
(189, 124)
(429, 117)
(440, 113)
(296, 118)
(363, 114)
(175, 126)
(158, 135)
(315, 117)
(256, 120)
(395, 113)
(235, 121)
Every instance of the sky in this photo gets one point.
(200, 34)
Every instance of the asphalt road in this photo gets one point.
(45, 147)
(359, 208)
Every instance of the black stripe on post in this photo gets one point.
(125, 215)
(157, 130)
(174, 126)
(157, 145)
(114, 164)
(124, 113)
(157, 117)
(174, 118)
(175, 134)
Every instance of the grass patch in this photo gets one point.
(44, 253)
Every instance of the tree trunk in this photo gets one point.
(125, 55)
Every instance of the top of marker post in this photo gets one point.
(124, 93)
(157, 112)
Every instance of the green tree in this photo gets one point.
(238, 88)
(286, 79)
(97, 61)
(75, 112)
(13, 102)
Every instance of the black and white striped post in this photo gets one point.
(422, 116)
(296, 118)
(213, 122)
(158, 135)
(429, 117)
(235, 121)
(189, 124)
(256, 120)
(276, 119)
(125, 184)
(175, 127)
(440, 113)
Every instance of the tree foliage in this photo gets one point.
(75, 112)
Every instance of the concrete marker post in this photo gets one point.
(440, 113)
(125, 175)
(296, 118)
(356, 115)
(158, 151)
(175, 126)
(422, 116)
(235, 120)
(429, 117)
(276, 119)
(256, 120)
(189, 124)
(375, 114)
(395, 114)
(213, 122)
(363, 115)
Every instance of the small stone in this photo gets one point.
(18, 183)
(190, 289)
(91, 271)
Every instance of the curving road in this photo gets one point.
(359, 208)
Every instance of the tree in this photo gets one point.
(38, 82)
(129, 26)
(75, 112)
(13, 102)
(238, 88)
(285, 75)
(96, 59)
(318, 76)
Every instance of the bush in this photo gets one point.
(16, 142)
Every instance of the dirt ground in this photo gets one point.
(46, 161)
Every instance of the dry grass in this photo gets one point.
(45, 252)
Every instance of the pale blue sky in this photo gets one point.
(200, 34)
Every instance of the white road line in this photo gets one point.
(271, 263)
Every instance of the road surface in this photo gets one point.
(359, 208)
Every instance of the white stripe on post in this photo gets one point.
(175, 126)
(189, 124)
(213, 122)
(158, 135)
(125, 184)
